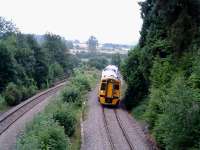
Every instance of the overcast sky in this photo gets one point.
(116, 21)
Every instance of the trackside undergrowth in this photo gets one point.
(58, 127)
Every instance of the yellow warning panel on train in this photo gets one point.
(110, 86)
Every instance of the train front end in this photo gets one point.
(109, 89)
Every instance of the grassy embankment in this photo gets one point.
(58, 127)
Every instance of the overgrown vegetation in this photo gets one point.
(27, 66)
(101, 60)
(98, 62)
(162, 73)
(55, 128)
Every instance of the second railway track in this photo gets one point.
(120, 123)
(10, 117)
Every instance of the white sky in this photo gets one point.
(116, 21)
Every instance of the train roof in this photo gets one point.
(110, 71)
(111, 67)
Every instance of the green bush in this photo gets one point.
(13, 94)
(43, 133)
(32, 90)
(98, 62)
(135, 76)
(155, 105)
(66, 118)
(71, 94)
(140, 109)
(179, 126)
(3, 104)
(27, 92)
(81, 81)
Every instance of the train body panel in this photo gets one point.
(109, 89)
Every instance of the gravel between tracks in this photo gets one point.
(8, 138)
(94, 133)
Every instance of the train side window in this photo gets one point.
(103, 86)
(116, 87)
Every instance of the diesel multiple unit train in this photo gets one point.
(110, 86)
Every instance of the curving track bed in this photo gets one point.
(8, 118)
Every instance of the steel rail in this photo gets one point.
(10, 117)
(123, 130)
(107, 130)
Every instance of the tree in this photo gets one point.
(162, 74)
(92, 43)
(7, 66)
(41, 67)
(98, 62)
(57, 49)
(116, 59)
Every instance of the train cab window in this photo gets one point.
(103, 86)
(116, 87)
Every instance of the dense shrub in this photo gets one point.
(66, 118)
(28, 91)
(82, 82)
(3, 103)
(28, 60)
(71, 94)
(135, 79)
(98, 62)
(43, 133)
(164, 71)
(53, 127)
(178, 127)
(81, 79)
(13, 95)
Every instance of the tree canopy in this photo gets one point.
(27, 65)
(162, 72)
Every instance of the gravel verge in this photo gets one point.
(94, 133)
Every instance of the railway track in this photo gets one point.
(108, 130)
(10, 117)
(119, 121)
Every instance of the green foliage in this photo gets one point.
(43, 133)
(81, 81)
(55, 127)
(7, 66)
(71, 94)
(98, 62)
(30, 65)
(66, 118)
(55, 71)
(116, 60)
(13, 95)
(178, 127)
(163, 71)
(3, 104)
(134, 77)
(28, 91)
(140, 109)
